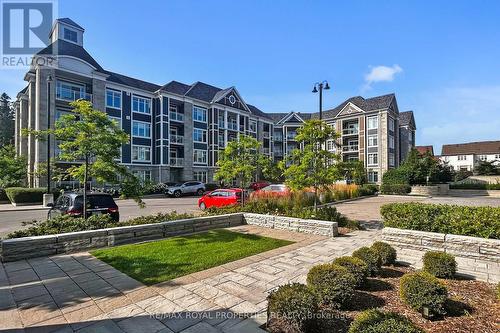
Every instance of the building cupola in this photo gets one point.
(68, 30)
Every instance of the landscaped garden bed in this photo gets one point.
(164, 260)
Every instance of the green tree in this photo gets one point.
(312, 165)
(355, 171)
(239, 161)
(487, 168)
(89, 136)
(271, 170)
(13, 169)
(6, 120)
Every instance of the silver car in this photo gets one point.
(181, 189)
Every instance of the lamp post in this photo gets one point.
(319, 86)
(49, 81)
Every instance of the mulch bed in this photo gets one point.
(472, 305)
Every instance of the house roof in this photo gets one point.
(132, 82)
(483, 147)
(406, 118)
(176, 87)
(256, 111)
(63, 47)
(366, 104)
(425, 149)
(69, 22)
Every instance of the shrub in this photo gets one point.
(395, 188)
(448, 219)
(367, 189)
(386, 253)
(66, 223)
(371, 258)
(294, 305)
(422, 290)
(474, 186)
(440, 264)
(355, 266)
(376, 321)
(396, 176)
(332, 284)
(25, 195)
(3, 195)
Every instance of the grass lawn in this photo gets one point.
(168, 259)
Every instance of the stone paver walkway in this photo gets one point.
(79, 293)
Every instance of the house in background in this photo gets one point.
(466, 156)
(425, 149)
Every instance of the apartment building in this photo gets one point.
(371, 130)
(176, 129)
(466, 156)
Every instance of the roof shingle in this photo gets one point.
(482, 147)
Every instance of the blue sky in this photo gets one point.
(441, 58)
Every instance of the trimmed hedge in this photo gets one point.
(25, 195)
(371, 258)
(3, 195)
(440, 264)
(294, 306)
(356, 267)
(395, 188)
(376, 321)
(422, 290)
(332, 284)
(386, 253)
(448, 219)
(474, 186)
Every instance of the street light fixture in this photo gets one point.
(49, 81)
(320, 86)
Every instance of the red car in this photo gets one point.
(273, 190)
(258, 185)
(220, 198)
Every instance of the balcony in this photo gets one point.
(221, 123)
(291, 137)
(278, 152)
(266, 135)
(176, 139)
(66, 94)
(278, 137)
(350, 148)
(266, 150)
(232, 126)
(176, 162)
(350, 131)
(176, 116)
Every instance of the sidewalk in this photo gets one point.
(10, 208)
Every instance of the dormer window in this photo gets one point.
(70, 35)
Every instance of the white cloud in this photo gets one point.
(381, 74)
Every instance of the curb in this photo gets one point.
(22, 209)
(347, 200)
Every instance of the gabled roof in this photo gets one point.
(368, 104)
(132, 82)
(482, 147)
(176, 87)
(69, 21)
(202, 91)
(221, 93)
(64, 48)
(256, 111)
(406, 118)
(424, 149)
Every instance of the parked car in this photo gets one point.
(259, 185)
(276, 189)
(72, 204)
(220, 198)
(181, 189)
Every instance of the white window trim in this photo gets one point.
(144, 98)
(69, 40)
(143, 122)
(393, 159)
(204, 173)
(206, 157)
(368, 159)
(150, 153)
(206, 114)
(205, 135)
(392, 142)
(368, 140)
(116, 92)
(391, 123)
(368, 122)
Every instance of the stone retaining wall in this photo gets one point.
(476, 257)
(29, 247)
(430, 190)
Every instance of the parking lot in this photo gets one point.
(12, 220)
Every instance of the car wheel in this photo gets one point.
(177, 194)
(200, 192)
(203, 206)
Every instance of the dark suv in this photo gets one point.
(97, 203)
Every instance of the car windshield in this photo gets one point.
(96, 201)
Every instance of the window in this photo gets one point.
(199, 135)
(462, 157)
(199, 114)
(140, 129)
(372, 140)
(483, 157)
(497, 156)
(330, 145)
(391, 159)
(141, 153)
(221, 140)
(373, 159)
(391, 142)
(113, 99)
(200, 176)
(70, 35)
(143, 175)
(373, 176)
(200, 156)
(69, 91)
(373, 122)
(253, 126)
(141, 105)
(391, 124)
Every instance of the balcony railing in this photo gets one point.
(266, 135)
(179, 139)
(291, 136)
(176, 162)
(278, 138)
(350, 148)
(65, 94)
(221, 124)
(350, 131)
(266, 150)
(232, 126)
(176, 116)
(278, 152)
